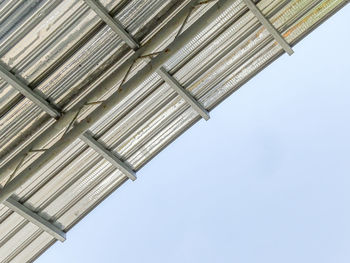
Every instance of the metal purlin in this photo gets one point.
(174, 84)
(113, 23)
(9, 200)
(16, 206)
(42, 103)
(45, 106)
(54, 112)
(11, 203)
(125, 89)
(37, 99)
(36, 219)
(267, 24)
(67, 118)
(28, 92)
(116, 26)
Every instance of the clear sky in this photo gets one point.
(266, 179)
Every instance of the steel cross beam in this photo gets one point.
(27, 92)
(267, 24)
(10, 202)
(113, 23)
(127, 88)
(161, 71)
(43, 104)
(108, 155)
(35, 219)
(88, 139)
(65, 119)
(173, 83)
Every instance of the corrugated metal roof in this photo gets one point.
(64, 52)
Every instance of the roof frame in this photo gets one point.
(36, 219)
(113, 23)
(127, 38)
(87, 138)
(66, 118)
(268, 25)
(68, 212)
(155, 63)
(108, 155)
(19, 85)
(173, 83)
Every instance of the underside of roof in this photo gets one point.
(90, 91)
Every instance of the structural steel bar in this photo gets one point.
(88, 139)
(209, 17)
(108, 155)
(267, 24)
(96, 93)
(164, 74)
(35, 219)
(112, 22)
(27, 92)
(173, 83)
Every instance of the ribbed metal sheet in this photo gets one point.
(63, 50)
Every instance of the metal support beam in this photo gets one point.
(114, 24)
(161, 71)
(87, 138)
(173, 83)
(108, 155)
(27, 92)
(172, 26)
(35, 219)
(126, 89)
(267, 24)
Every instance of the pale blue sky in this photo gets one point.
(267, 179)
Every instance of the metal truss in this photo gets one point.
(127, 87)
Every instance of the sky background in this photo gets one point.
(266, 179)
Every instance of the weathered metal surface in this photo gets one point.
(62, 50)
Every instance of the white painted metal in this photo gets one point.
(27, 92)
(35, 219)
(112, 23)
(183, 93)
(108, 155)
(267, 24)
